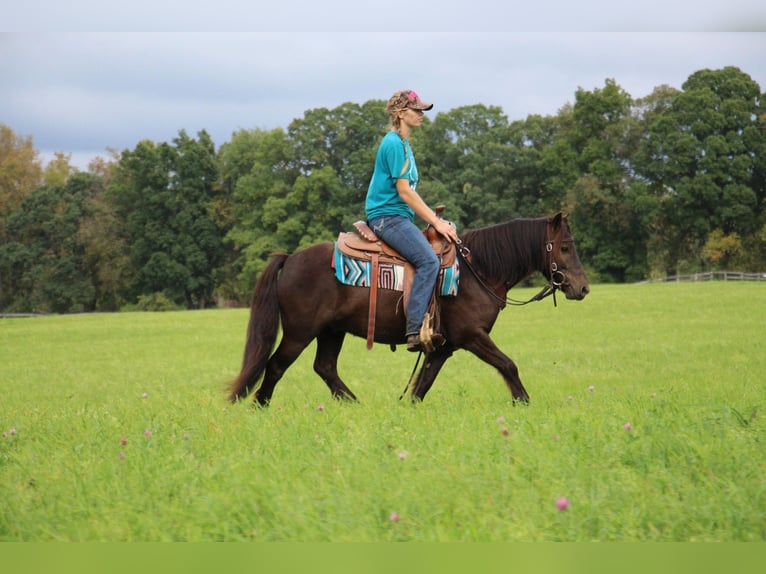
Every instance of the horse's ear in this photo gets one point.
(556, 220)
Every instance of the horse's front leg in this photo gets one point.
(427, 375)
(483, 347)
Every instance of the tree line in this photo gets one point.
(672, 182)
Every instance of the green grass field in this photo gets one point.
(647, 414)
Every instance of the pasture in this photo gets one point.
(646, 423)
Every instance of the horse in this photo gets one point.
(300, 292)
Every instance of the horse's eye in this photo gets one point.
(565, 249)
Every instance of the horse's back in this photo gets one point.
(312, 299)
(307, 274)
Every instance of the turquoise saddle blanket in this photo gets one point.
(358, 273)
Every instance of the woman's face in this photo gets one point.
(413, 118)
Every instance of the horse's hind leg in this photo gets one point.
(427, 375)
(329, 344)
(285, 355)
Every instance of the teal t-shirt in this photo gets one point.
(393, 161)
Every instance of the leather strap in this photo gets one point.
(373, 301)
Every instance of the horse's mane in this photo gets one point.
(507, 251)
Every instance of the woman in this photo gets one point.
(392, 203)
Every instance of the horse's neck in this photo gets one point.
(527, 239)
(517, 251)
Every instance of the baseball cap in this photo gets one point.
(406, 99)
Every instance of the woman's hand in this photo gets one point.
(446, 230)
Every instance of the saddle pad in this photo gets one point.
(357, 273)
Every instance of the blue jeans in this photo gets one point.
(404, 236)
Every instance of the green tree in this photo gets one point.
(610, 239)
(20, 170)
(137, 191)
(544, 162)
(702, 151)
(165, 195)
(257, 167)
(605, 198)
(343, 138)
(105, 257)
(44, 258)
(20, 175)
(722, 252)
(558, 163)
(649, 165)
(468, 153)
(59, 169)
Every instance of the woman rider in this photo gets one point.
(392, 203)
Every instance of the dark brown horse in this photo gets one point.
(302, 293)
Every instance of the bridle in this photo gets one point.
(558, 278)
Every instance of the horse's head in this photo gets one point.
(564, 268)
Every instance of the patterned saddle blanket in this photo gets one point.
(357, 272)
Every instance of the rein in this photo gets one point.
(554, 283)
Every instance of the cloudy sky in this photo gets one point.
(80, 79)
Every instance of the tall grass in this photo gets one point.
(647, 416)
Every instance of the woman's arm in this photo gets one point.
(413, 199)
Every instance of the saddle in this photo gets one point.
(367, 246)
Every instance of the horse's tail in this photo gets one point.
(261, 330)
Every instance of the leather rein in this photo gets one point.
(557, 280)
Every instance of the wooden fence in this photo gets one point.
(711, 276)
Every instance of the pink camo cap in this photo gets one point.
(406, 99)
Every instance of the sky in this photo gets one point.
(83, 80)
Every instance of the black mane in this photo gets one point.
(510, 251)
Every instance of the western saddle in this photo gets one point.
(367, 246)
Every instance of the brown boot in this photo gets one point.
(413, 343)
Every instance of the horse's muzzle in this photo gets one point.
(577, 293)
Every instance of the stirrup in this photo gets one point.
(426, 334)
